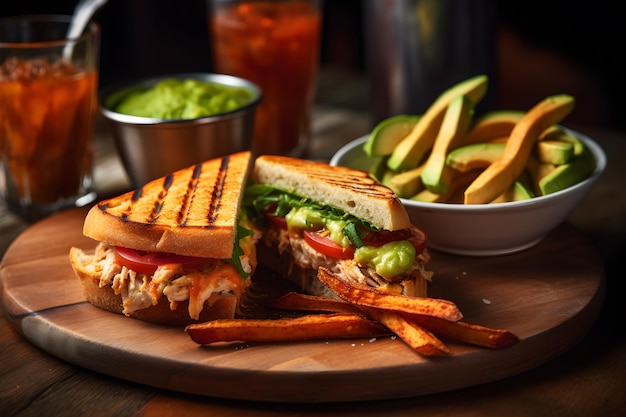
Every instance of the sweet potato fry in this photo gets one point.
(467, 333)
(414, 335)
(362, 295)
(314, 326)
(459, 331)
(304, 302)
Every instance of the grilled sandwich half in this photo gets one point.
(175, 251)
(315, 215)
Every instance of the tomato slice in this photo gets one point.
(277, 221)
(147, 262)
(327, 246)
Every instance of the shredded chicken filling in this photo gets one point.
(308, 258)
(139, 291)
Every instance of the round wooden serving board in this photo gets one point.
(549, 296)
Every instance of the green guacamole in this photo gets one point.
(390, 259)
(307, 218)
(184, 99)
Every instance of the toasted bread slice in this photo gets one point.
(190, 212)
(351, 190)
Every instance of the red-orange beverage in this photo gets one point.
(48, 98)
(46, 130)
(274, 44)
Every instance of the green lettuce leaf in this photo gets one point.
(259, 196)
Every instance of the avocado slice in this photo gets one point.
(580, 166)
(406, 184)
(436, 175)
(555, 152)
(411, 150)
(566, 175)
(492, 125)
(478, 155)
(427, 196)
(378, 169)
(555, 133)
(518, 191)
(537, 170)
(453, 195)
(498, 177)
(388, 133)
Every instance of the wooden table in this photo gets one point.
(587, 380)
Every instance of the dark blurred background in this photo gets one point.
(542, 48)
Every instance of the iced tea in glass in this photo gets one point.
(274, 44)
(48, 88)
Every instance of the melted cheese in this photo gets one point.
(220, 279)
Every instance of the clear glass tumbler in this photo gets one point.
(48, 100)
(275, 44)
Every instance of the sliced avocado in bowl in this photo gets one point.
(518, 191)
(388, 133)
(478, 155)
(566, 175)
(492, 125)
(412, 149)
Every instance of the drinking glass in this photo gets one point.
(275, 44)
(48, 99)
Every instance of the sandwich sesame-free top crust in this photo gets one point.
(193, 211)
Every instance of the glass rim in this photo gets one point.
(92, 30)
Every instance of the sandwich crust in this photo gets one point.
(351, 190)
(192, 212)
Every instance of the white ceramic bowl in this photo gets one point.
(487, 229)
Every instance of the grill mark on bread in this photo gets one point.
(187, 203)
(185, 193)
(364, 184)
(216, 196)
(158, 203)
(360, 183)
(135, 197)
(213, 207)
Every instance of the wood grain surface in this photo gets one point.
(549, 296)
